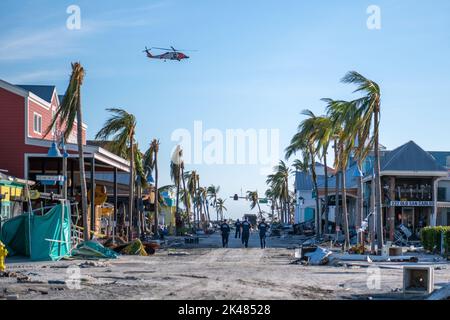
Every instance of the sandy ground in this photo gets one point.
(206, 272)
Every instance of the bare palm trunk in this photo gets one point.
(259, 209)
(131, 191)
(84, 204)
(186, 197)
(194, 207)
(288, 206)
(344, 210)
(360, 207)
(156, 196)
(326, 191)
(177, 212)
(318, 211)
(337, 213)
(379, 211)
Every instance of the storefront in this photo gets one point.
(409, 177)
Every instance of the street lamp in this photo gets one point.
(54, 152)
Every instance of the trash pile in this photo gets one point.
(317, 255)
(109, 249)
(93, 249)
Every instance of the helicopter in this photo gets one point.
(171, 54)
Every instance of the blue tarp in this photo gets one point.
(50, 235)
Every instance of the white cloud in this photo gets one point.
(58, 41)
(39, 75)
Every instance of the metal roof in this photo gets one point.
(410, 157)
(43, 92)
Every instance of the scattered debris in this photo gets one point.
(135, 248)
(319, 257)
(56, 282)
(356, 257)
(359, 249)
(93, 249)
(441, 294)
(178, 253)
(94, 264)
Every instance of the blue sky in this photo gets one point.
(259, 63)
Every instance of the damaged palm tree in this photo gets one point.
(121, 128)
(175, 174)
(65, 116)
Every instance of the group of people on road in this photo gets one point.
(243, 230)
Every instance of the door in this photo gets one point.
(408, 218)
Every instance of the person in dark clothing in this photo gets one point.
(225, 228)
(263, 227)
(238, 229)
(246, 226)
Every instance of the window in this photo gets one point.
(442, 194)
(37, 123)
(54, 125)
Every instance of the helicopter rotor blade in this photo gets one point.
(161, 49)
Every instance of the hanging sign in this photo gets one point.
(412, 203)
(49, 180)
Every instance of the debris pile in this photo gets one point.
(93, 249)
(312, 254)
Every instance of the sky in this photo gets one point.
(258, 64)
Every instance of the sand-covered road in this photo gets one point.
(200, 273)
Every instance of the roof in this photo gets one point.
(303, 181)
(351, 179)
(442, 158)
(43, 92)
(410, 157)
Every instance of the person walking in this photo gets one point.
(246, 226)
(225, 228)
(263, 227)
(238, 229)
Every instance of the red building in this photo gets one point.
(26, 112)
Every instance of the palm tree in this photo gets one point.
(325, 133)
(141, 183)
(212, 195)
(369, 108)
(151, 164)
(186, 195)
(253, 197)
(343, 115)
(175, 175)
(191, 178)
(220, 207)
(279, 182)
(306, 141)
(300, 165)
(273, 197)
(121, 127)
(204, 202)
(67, 112)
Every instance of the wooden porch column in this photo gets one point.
(116, 207)
(391, 210)
(72, 178)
